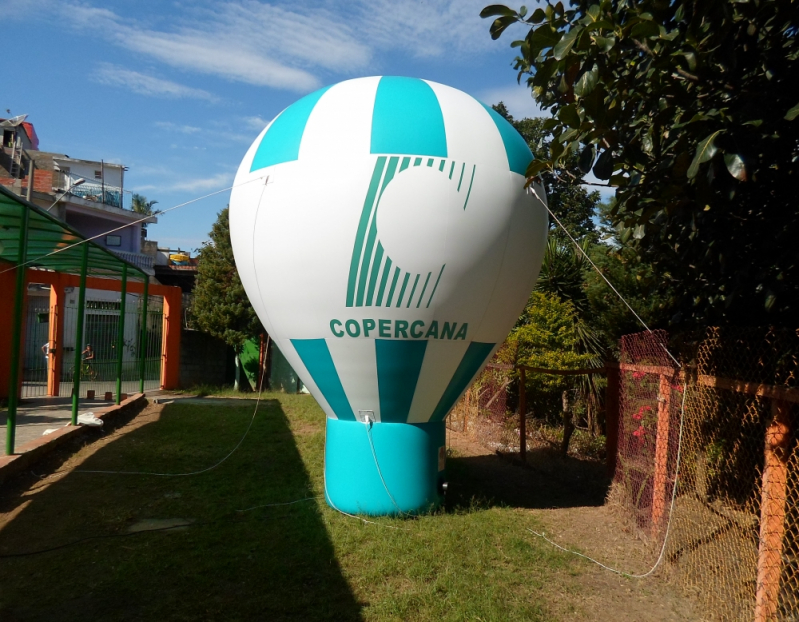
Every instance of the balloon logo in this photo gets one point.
(388, 244)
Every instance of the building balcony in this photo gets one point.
(89, 191)
(107, 195)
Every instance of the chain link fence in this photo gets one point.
(707, 456)
(734, 533)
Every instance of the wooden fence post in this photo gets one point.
(772, 512)
(612, 417)
(522, 416)
(661, 454)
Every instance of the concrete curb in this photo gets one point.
(30, 453)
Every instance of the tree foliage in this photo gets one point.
(569, 201)
(688, 109)
(637, 281)
(221, 307)
(140, 204)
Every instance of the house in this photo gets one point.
(88, 195)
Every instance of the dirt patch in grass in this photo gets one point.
(567, 495)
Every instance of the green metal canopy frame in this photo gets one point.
(31, 237)
(47, 235)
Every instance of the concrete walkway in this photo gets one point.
(27, 453)
(34, 416)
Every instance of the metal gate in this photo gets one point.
(34, 358)
(99, 356)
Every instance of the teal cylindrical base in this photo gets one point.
(410, 457)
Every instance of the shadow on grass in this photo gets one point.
(272, 563)
(549, 480)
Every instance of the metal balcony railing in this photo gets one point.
(108, 195)
(88, 190)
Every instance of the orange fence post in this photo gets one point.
(170, 370)
(612, 417)
(56, 337)
(661, 454)
(522, 416)
(772, 512)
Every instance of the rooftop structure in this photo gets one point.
(88, 195)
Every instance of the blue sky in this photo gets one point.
(177, 91)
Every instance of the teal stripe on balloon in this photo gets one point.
(471, 363)
(316, 357)
(281, 143)
(357, 249)
(402, 290)
(376, 263)
(519, 154)
(426, 281)
(393, 287)
(398, 367)
(383, 281)
(410, 298)
(407, 118)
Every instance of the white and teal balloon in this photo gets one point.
(388, 244)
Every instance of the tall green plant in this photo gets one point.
(221, 307)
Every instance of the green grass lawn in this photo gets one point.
(472, 560)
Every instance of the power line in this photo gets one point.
(135, 222)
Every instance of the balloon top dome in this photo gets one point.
(394, 115)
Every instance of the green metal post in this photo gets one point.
(121, 331)
(16, 332)
(143, 346)
(84, 266)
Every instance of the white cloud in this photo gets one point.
(250, 42)
(197, 184)
(143, 84)
(255, 123)
(518, 99)
(174, 127)
(280, 45)
(432, 28)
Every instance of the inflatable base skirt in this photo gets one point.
(409, 456)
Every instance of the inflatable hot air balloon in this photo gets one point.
(385, 238)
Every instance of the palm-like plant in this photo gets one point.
(562, 274)
(141, 205)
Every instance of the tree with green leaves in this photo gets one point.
(688, 109)
(546, 336)
(566, 197)
(140, 205)
(221, 307)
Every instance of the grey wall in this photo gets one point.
(203, 359)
